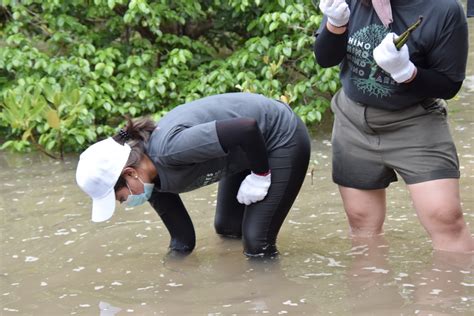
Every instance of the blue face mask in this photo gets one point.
(139, 199)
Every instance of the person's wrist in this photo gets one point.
(405, 74)
(263, 174)
(336, 29)
(415, 72)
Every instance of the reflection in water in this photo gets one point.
(433, 288)
(442, 284)
(108, 310)
(229, 285)
(370, 277)
(54, 260)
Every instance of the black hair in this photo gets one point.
(136, 134)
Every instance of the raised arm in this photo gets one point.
(330, 48)
(331, 38)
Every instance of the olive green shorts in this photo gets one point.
(370, 145)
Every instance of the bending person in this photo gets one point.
(389, 115)
(256, 147)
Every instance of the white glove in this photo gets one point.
(396, 62)
(254, 188)
(337, 11)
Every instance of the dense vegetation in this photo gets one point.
(70, 70)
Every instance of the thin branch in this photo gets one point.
(41, 149)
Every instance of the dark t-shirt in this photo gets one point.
(440, 43)
(185, 147)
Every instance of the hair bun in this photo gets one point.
(123, 134)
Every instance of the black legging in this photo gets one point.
(259, 223)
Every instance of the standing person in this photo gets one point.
(256, 147)
(389, 115)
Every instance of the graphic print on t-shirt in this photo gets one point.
(205, 179)
(367, 76)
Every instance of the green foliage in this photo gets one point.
(71, 70)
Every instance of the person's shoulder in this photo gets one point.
(242, 97)
(450, 7)
(155, 143)
(451, 13)
(240, 94)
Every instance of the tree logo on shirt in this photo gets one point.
(367, 76)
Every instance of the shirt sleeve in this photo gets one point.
(192, 144)
(174, 215)
(432, 84)
(448, 55)
(244, 133)
(329, 48)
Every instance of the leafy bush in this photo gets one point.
(70, 70)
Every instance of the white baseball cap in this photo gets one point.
(98, 170)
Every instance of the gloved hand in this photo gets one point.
(254, 188)
(396, 62)
(337, 11)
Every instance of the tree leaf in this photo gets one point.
(53, 118)
(273, 26)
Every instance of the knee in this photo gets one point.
(360, 216)
(364, 222)
(448, 230)
(357, 215)
(449, 219)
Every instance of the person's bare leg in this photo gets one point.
(370, 277)
(438, 206)
(365, 210)
(439, 285)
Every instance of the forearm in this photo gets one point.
(330, 46)
(428, 83)
(244, 133)
(176, 219)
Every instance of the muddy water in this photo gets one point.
(54, 261)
